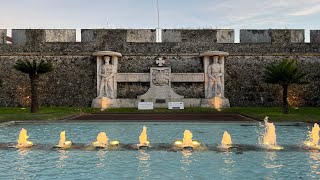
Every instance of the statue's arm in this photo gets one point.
(101, 74)
(112, 73)
(221, 71)
(210, 72)
(110, 76)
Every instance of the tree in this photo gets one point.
(284, 74)
(34, 69)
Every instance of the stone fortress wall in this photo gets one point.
(73, 82)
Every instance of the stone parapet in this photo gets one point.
(198, 35)
(275, 36)
(40, 36)
(315, 36)
(3, 36)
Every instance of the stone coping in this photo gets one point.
(166, 117)
(12, 123)
(107, 53)
(214, 53)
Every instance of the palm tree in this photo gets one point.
(34, 69)
(284, 74)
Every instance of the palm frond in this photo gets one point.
(284, 73)
(33, 67)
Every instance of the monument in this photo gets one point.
(107, 63)
(214, 78)
(160, 92)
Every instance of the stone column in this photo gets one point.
(222, 78)
(99, 62)
(217, 100)
(102, 101)
(114, 60)
(206, 62)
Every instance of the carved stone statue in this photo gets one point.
(106, 74)
(215, 73)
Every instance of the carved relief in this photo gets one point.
(161, 77)
(107, 65)
(106, 73)
(215, 82)
(213, 64)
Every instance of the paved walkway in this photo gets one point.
(207, 117)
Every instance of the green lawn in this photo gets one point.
(46, 113)
(305, 114)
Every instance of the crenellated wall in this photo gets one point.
(73, 82)
(196, 36)
(274, 36)
(3, 34)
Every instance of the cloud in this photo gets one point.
(307, 11)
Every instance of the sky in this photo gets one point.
(142, 14)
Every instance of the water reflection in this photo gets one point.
(101, 155)
(272, 164)
(314, 162)
(186, 162)
(22, 164)
(229, 163)
(63, 155)
(23, 153)
(144, 164)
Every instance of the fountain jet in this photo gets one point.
(143, 138)
(63, 143)
(187, 141)
(269, 138)
(23, 140)
(313, 139)
(102, 140)
(226, 140)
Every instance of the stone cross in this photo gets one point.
(160, 61)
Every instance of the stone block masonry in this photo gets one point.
(199, 36)
(280, 36)
(141, 35)
(38, 36)
(73, 82)
(315, 36)
(3, 35)
(60, 35)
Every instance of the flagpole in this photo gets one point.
(158, 33)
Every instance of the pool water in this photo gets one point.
(47, 163)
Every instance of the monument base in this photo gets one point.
(102, 103)
(160, 93)
(217, 103)
(220, 103)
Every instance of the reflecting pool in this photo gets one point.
(246, 160)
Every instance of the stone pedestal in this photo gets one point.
(220, 103)
(160, 91)
(103, 103)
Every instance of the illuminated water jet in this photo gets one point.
(143, 138)
(114, 143)
(269, 138)
(23, 140)
(226, 141)
(187, 141)
(313, 139)
(102, 140)
(63, 143)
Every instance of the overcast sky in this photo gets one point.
(234, 14)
